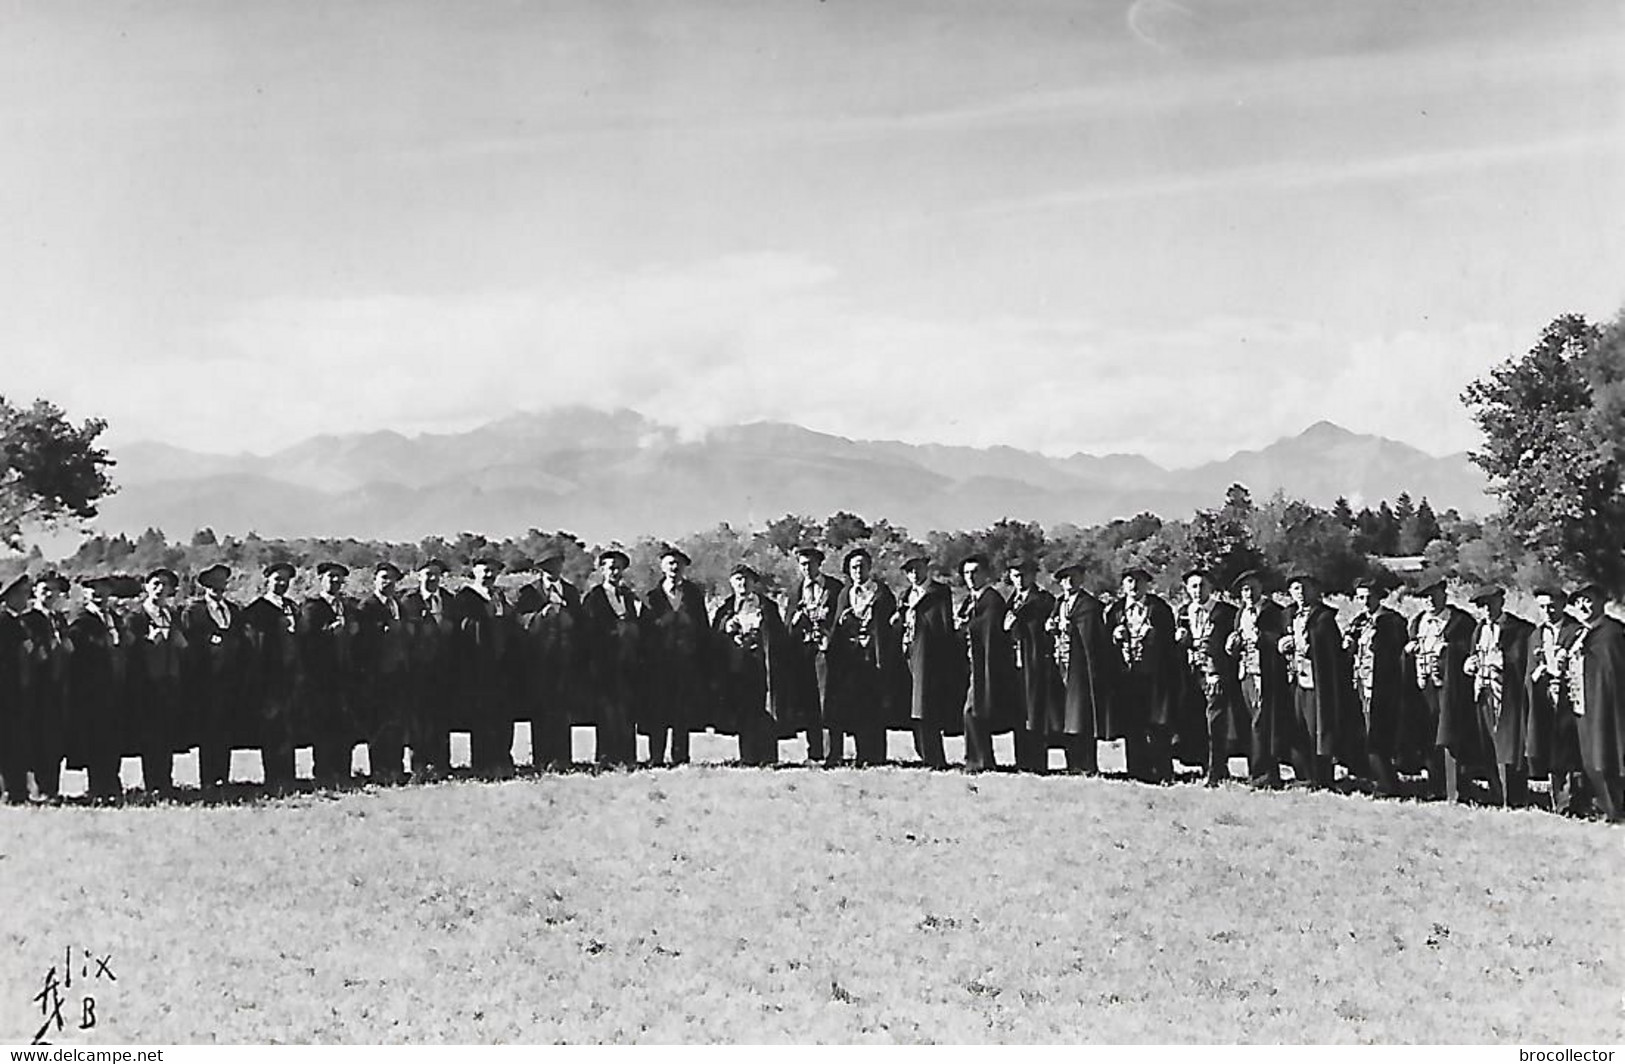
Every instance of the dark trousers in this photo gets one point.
(158, 770)
(815, 744)
(45, 748)
(490, 748)
(869, 746)
(276, 757)
(1150, 755)
(1308, 764)
(14, 773)
(758, 742)
(658, 742)
(1378, 764)
(387, 718)
(158, 736)
(1262, 766)
(1509, 786)
(330, 761)
(1032, 751)
(102, 771)
(1608, 790)
(1216, 705)
(1570, 793)
(550, 741)
(928, 745)
(617, 740)
(978, 744)
(430, 731)
(214, 761)
(1082, 754)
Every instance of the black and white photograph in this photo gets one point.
(735, 522)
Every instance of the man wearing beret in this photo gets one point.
(96, 674)
(679, 660)
(46, 702)
(1206, 623)
(13, 653)
(1440, 644)
(1596, 681)
(616, 652)
(1262, 670)
(865, 661)
(553, 643)
(487, 630)
(383, 680)
(1143, 627)
(275, 665)
(1321, 685)
(1375, 643)
(328, 623)
(1499, 666)
(990, 683)
(811, 615)
(428, 613)
(1038, 691)
(222, 659)
(1087, 663)
(936, 660)
(157, 655)
(1553, 741)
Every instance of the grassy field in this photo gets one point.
(726, 904)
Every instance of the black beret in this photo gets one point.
(489, 561)
(166, 574)
(21, 582)
(1195, 571)
(436, 564)
(1022, 565)
(217, 576)
(1071, 570)
(1487, 592)
(391, 568)
(614, 555)
(676, 552)
(332, 567)
(816, 553)
(916, 561)
(279, 567)
(1137, 572)
(973, 559)
(550, 559)
(1251, 576)
(856, 552)
(743, 570)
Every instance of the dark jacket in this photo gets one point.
(755, 668)
(1383, 710)
(868, 679)
(990, 684)
(936, 660)
(1040, 696)
(679, 656)
(1089, 666)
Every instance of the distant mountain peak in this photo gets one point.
(1326, 430)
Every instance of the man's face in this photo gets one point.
(1133, 587)
(45, 596)
(1587, 608)
(1492, 606)
(331, 583)
(917, 575)
(740, 584)
(552, 569)
(95, 598)
(429, 580)
(484, 575)
(383, 584)
(1303, 593)
(672, 567)
(1069, 584)
(1018, 578)
(158, 589)
(1370, 599)
(1551, 607)
(973, 575)
(278, 583)
(1437, 597)
(1251, 594)
(612, 569)
(808, 566)
(1198, 588)
(858, 569)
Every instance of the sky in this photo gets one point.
(1172, 227)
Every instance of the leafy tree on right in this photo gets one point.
(1554, 446)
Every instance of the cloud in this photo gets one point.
(764, 337)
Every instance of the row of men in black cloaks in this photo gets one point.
(1209, 681)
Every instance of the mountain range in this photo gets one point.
(617, 474)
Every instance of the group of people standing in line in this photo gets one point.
(1460, 702)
